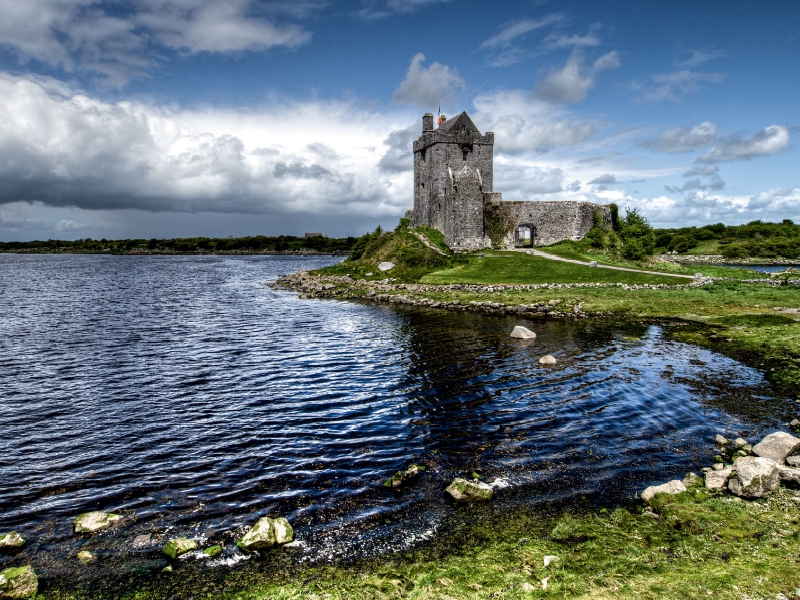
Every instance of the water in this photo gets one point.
(760, 268)
(185, 394)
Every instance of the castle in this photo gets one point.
(453, 192)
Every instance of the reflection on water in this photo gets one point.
(185, 393)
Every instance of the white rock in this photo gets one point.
(547, 360)
(11, 540)
(789, 474)
(720, 441)
(94, 521)
(265, 533)
(463, 489)
(385, 266)
(753, 476)
(549, 559)
(793, 461)
(522, 333)
(739, 443)
(777, 446)
(718, 480)
(671, 487)
(692, 479)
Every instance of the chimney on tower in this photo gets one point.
(427, 122)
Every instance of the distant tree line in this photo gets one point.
(231, 245)
(756, 239)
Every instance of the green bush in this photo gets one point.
(734, 251)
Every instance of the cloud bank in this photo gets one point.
(119, 42)
(64, 149)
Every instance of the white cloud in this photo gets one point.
(674, 86)
(398, 157)
(117, 43)
(704, 170)
(573, 41)
(428, 86)
(377, 9)
(683, 139)
(512, 31)
(573, 82)
(699, 57)
(606, 179)
(68, 150)
(522, 124)
(522, 181)
(770, 140)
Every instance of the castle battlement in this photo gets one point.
(453, 179)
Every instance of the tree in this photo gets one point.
(639, 240)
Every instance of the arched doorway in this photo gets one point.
(525, 236)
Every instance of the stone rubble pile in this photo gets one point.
(746, 471)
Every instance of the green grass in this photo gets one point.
(412, 258)
(582, 251)
(516, 267)
(706, 247)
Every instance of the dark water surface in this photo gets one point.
(187, 395)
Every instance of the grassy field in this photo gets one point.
(517, 267)
(580, 251)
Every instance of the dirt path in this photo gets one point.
(429, 244)
(586, 264)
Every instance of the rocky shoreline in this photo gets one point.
(389, 291)
(743, 470)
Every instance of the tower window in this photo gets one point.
(464, 154)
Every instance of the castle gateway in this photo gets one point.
(453, 192)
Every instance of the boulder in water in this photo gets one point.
(11, 541)
(18, 582)
(777, 446)
(547, 360)
(462, 489)
(671, 487)
(94, 521)
(753, 476)
(403, 477)
(522, 333)
(266, 533)
(180, 545)
(213, 551)
(85, 556)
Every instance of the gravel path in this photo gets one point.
(586, 264)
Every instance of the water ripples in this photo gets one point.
(183, 390)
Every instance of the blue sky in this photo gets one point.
(160, 118)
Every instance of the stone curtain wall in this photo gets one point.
(555, 221)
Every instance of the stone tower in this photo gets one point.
(453, 168)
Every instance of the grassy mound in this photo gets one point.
(415, 253)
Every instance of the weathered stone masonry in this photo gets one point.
(453, 179)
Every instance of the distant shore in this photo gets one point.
(140, 252)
